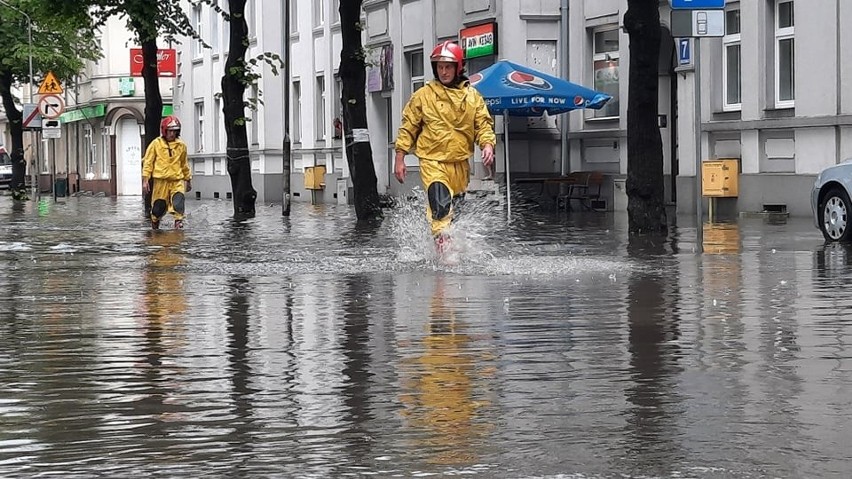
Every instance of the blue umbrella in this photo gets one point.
(517, 90)
(521, 91)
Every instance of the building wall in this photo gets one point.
(780, 149)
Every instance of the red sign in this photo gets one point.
(166, 62)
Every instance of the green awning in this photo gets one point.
(88, 112)
(97, 111)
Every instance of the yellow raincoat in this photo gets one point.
(166, 162)
(441, 125)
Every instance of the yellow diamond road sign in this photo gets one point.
(50, 85)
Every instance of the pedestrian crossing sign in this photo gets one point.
(50, 85)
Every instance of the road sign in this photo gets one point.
(684, 51)
(697, 4)
(698, 23)
(51, 129)
(51, 106)
(50, 85)
(31, 117)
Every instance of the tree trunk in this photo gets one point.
(233, 91)
(359, 154)
(646, 210)
(15, 117)
(153, 101)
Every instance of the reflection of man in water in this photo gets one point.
(164, 297)
(439, 397)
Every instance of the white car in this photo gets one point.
(831, 204)
(5, 168)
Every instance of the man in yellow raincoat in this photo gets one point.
(441, 123)
(165, 162)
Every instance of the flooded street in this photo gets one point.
(557, 347)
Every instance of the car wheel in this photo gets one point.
(834, 215)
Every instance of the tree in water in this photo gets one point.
(234, 81)
(64, 25)
(359, 154)
(646, 210)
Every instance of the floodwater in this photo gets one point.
(557, 347)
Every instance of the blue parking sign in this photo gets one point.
(697, 4)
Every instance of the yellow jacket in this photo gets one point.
(166, 160)
(442, 123)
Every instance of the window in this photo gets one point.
(337, 108)
(251, 18)
(319, 111)
(105, 154)
(414, 64)
(254, 135)
(732, 62)
(214, 27)
(199, 125)
(785, 72)
(217, 124)
(89, 151)
(605, 69)
(294, 16)
(335, 11)
(197, 44)
(297, 112)
(319, 13)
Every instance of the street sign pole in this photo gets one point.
(699, 198)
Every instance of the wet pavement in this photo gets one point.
(558, 347)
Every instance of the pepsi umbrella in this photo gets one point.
(521, 91)
(517, 90)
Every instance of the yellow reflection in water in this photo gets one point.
(439, 386)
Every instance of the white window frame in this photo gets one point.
(612, 55)
(319, 12)
(89, 153)
(732, 40)
(781, 35)
(414, 58)
(217, 124)
(297, 111)
(255, 135)
(197, 44)
(320, 108)
(199, 126)
(294, 16)
(214, 27)
(251, 19)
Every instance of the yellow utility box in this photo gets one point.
(315, 177)
(720, 178)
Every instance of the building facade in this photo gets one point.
(768, 92)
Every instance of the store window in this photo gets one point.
(605, 68)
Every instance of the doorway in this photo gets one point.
(128, 157)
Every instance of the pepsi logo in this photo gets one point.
(475, 78)
(579, 101)
(526, 80)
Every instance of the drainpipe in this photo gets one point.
(563, 72)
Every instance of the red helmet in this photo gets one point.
(170, 122)
(448, 52)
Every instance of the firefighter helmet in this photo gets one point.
(448, 51)
(170, 122)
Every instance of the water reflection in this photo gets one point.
(438, 386)
(653, 322)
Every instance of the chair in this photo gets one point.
(584, 186)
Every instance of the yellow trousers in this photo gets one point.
(454, 175)
(165, 190)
